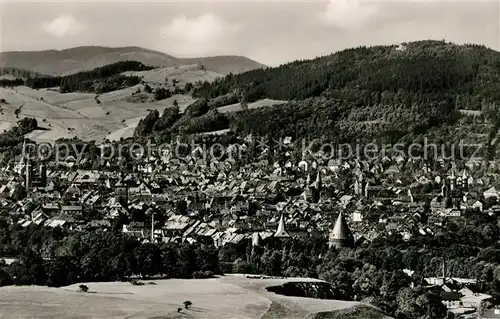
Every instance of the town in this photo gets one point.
(267, 201)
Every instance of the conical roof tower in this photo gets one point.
(256, 240)
(341, 235)
(281, 231)
(318, 178)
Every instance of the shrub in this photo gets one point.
(137, 283)
(83, 288)
(187, 304)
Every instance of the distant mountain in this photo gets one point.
(225, 64)
(69, 61)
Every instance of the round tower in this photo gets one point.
(341, 235)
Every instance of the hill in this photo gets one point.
(225, 64)
(69, 61)
(383, 93)
(230, 296)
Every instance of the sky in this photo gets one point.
(270, 32)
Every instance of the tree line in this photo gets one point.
(99, 80)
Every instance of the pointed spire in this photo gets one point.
(281, 231)
(256, 239)
(341, 229)
(341, 235)
(318, 177)
(24, 150)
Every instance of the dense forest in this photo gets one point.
(100, 80)
(19, 73)
(198, 117)
(11, 82)
(418, 67)
(383, 94)
(15, 135)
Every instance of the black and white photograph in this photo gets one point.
(250, 159)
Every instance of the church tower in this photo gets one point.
(43, 174)
(357, 187)
(317, 184)
(28, 175)
(341, 235)
(281, 232)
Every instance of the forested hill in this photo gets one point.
(99, 80)
(19, 73)
(400, 93)
(419, 67)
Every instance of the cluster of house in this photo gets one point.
(463, 297)
(343, 201)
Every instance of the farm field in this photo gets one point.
(113, 115)
(78, 114)
(231, 296)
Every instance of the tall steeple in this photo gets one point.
(318, 181)
(28, 175)
(43, 174)
(341, 235)
(281, 231)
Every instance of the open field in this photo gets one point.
(78, 114)
(114, 115)
(183, 74)
(254, 105)
(230, 296)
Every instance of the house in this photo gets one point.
(450, 212)
(490, 192)
(478, 205)
(71, 210)
(490, 314)
(451, 299)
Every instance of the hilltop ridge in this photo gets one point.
(85, 58)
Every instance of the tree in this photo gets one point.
(161, 93)
(19, 192)
(181, 206)
(197, 108)
(5, 278)
(244, 99)
(83, 288)
(187, 304)
(148, 89)
(188, 87)
(146, 125)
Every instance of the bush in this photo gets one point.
(162, 93)
(5, 278)
(137, 283)
(83, 288)
(198, 274)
